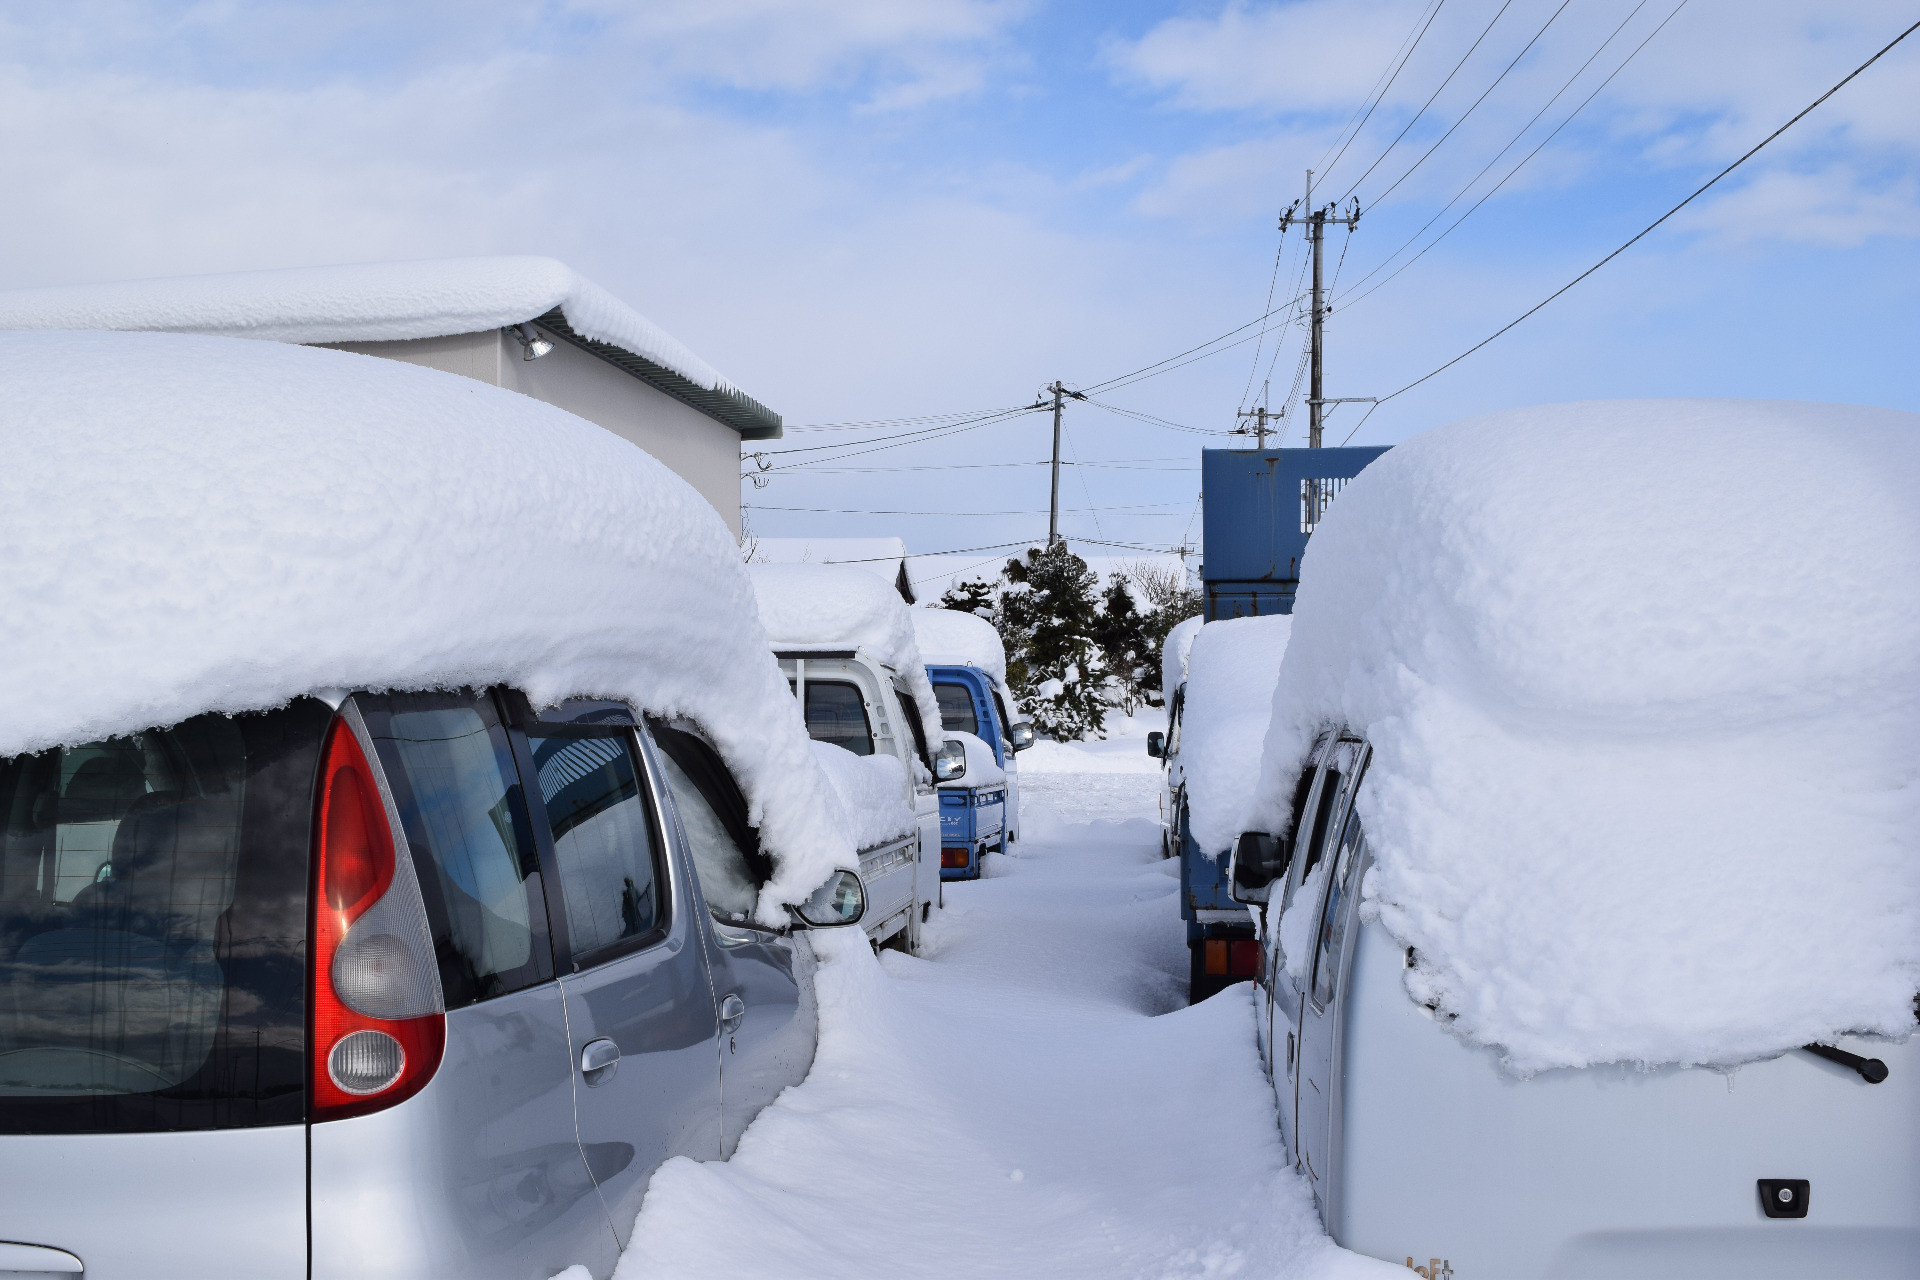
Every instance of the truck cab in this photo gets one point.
(855, 701)
(979, 812)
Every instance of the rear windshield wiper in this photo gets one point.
(1872, 1070)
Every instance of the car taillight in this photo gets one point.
(376, 1017)
(953, 857)
(1243, 959)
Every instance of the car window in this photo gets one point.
(1000, 709)
(956, 707)
(603, 840)
(1334, 916)
(1173, 721)
(837, 714)
(153, 926)
(1322, 818)
(726, 851)
(460, 801)
(916, 728)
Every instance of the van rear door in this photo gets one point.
(153, 908)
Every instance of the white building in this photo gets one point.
(525, 323)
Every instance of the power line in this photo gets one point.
(1476, 103)
(1111, 383)
(1698, 191)
(1492, 191)
(943, 428)
(1155, 421)
(1381, 96)
(918, 437)
(883, 422)
(1040, 511)
(1429, 102)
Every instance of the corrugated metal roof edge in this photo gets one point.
(753, 420)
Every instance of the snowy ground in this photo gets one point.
(1030, 1098)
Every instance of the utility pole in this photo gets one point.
(1259, 417)
(1315, 221)
(1060, 394)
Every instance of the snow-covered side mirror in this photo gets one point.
(1258, 861)
(1021, 736)
(1157, 745)
(842, 900)
(950, 762)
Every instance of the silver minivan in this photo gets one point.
(406, 984)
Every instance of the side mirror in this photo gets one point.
(842, 900)
(950, 761)
(1021, 736)
(1157, 745)
(1258, 861)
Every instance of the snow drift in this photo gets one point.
(951, 638)
(191, 524)
(827, 607)
(1231, 673)
(363, 302)
(1641, 681)
(872, 791)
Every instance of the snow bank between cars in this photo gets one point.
(191, 524)
(1641, 681)
(827, 607)
(872, 791)
(1231, 671)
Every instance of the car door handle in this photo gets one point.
(598, 1061)
(732, 1010)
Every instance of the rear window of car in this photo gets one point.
(153, 914)
(836, 713)
(956, 708)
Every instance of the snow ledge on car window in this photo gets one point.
(1642, 681)
(193, 524)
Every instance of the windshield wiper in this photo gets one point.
(1872, 1070)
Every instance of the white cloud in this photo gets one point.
(1836, 206)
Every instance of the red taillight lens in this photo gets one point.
(1243, 959)
(377, 1024)
(953, 857)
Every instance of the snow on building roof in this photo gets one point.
(882, 557)
(194, 524)
(831, 606)
(1173, 654)
(1231, 672)
(384, 302)
(1642, 681)
(960, 639)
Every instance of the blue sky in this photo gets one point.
(875, 210)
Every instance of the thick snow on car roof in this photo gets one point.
(951, 638)
(1173, 654)
(1641, 681)
(827, 607)
(1231, 672)
(360, 302)
(194, 524)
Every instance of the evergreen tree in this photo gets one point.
(1049, 619)
(975, 597)
(1121, 631)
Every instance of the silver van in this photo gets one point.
(410, 984)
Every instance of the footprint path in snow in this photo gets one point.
(1031, 1098)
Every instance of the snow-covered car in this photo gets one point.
(408, 841)
(1592, 888)
(846, 645)
(1212, 758)
(967, 666)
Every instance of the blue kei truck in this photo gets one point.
(1258, 510)
(979, 812)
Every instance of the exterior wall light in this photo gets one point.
(530, 339)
